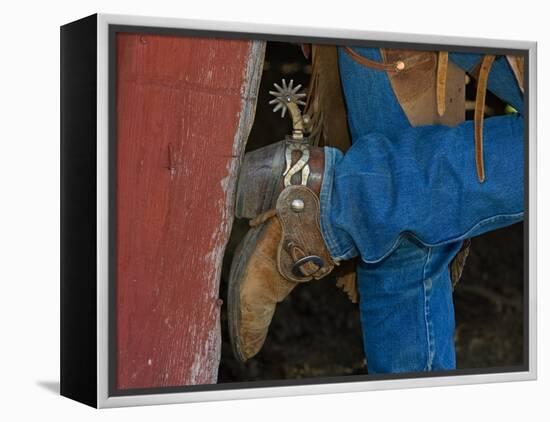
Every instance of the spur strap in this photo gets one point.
(302, 254)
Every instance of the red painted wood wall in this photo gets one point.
(184, 107)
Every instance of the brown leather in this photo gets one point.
(416, 88)
(479, 111)
(317, 168)
(301, 232)
(325, 102)
(399, 65)
(301, 235)
(284, 237)
(262, 218)
(442, 66)
(346, 279)
(517, 63)
(261, 288)
(268, 253)
(457, 264)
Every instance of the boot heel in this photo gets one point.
(259, 180)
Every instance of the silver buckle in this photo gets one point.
(317, 260)
(300, 166)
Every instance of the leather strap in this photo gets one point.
(302, 254)
(517, 63)
(441, 87)
(262, 218)
(479, 110)
(393, 67)
(416, 88)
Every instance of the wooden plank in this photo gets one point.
(184, 110)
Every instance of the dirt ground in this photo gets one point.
(316, 331)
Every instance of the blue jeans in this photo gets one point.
(404, 198)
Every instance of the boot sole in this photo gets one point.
(236, 275)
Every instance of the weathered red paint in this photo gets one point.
(179, 102)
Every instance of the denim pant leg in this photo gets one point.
(421, 184)
(407, 311)
(397, 180)
(407, 224)
(402, 199)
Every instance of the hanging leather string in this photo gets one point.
(441, 86)
(479, 112)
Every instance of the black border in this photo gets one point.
(113, 30)
(78, 211)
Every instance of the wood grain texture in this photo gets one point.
(184, 109)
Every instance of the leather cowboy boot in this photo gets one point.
(278, 190)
